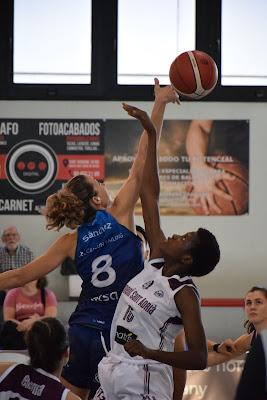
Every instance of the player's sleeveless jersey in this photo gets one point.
(108, 255)
(22, 382)
(147, 311)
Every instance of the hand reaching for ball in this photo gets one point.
(142, 116)
(165, 94)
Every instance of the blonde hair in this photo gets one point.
(70, 206)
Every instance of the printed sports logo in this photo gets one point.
(97, 232)
(146, 285)
(113, 296)
(123, 335)
(159, 293)
(100, 395)
(96, 378)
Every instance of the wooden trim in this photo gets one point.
(222, 302)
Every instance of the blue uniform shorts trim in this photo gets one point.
(86, 351)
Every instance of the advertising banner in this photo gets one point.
(203, 164)
(199, 162)
(218, 382)
(38, 156)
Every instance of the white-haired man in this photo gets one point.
(13, 254)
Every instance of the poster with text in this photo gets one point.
(218, 382)
(38, 156)
(203, 164)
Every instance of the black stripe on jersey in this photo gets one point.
(176, 283)
(146, 379)
(173, 320)
(157, 263)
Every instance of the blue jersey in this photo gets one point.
(108, 255)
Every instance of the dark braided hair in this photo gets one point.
(205, 253)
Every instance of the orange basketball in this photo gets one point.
(238, 188)
(193, 74)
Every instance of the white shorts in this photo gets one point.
(127, 380)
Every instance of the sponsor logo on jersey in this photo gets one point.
(146, 285)
(97, 232)
(123, 335)
(113, 296)
(159, 293)
(33, 387)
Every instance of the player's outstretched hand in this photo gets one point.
(136, 348)
(165, 94)
(142, 116)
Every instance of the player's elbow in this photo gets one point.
(202, 360)
(11, 279)
(19, 278)
(199, 359)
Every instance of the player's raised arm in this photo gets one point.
(61, 248)
(149, 194)
(125, 201)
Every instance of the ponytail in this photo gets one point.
(70, 206)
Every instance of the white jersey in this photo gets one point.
(147, 311)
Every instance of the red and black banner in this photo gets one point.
(38, 156)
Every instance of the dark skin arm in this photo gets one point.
(124, 203)
(149, 190)
(149, 195)
(186, 300)
(196, 356)
(179, 375)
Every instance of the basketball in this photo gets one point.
(237, 188)
(193, 74)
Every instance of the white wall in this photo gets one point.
(242, 239)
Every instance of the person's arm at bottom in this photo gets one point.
(9, 314)
(179, 375)
(4, 366)
(195, 357)
(72, 396)
(61, 248)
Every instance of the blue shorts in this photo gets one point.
(86, 351)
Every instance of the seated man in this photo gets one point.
(12, 255)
